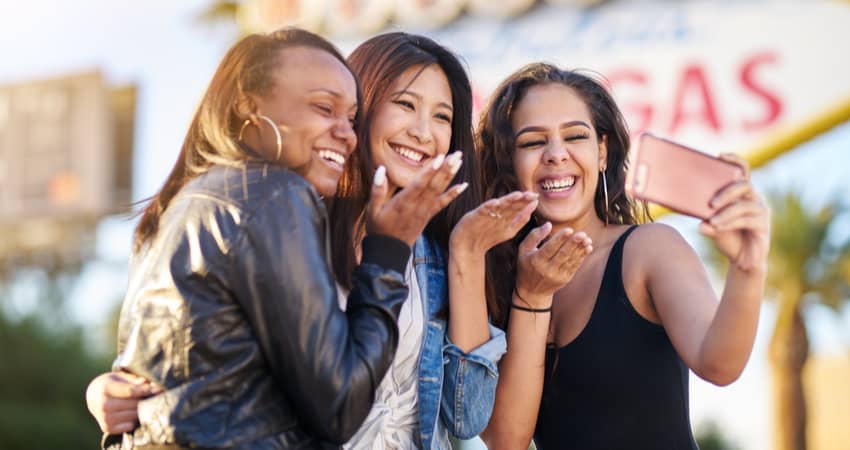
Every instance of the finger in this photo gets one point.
(516, 205)
(115, 405)
(738, 161)
(509, 198)
(120, 418)
(551, 247)
(446, 173)
(448, 196)
(523, 216)
(742, 208)
(707, 229)
(422, 180)
(120, 387)
(572, 255)
(120, 428)
(128, 377)
(741, 223)
(731, 193)
(534, 238)
(380, 191)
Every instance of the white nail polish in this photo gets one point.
(455, 165)
(380, 176)
(455, 157)
(438, 161)
(462, 187)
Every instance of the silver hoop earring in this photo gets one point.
(605, 191)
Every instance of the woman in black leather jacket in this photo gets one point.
(231, 309)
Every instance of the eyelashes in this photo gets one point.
(568, 138)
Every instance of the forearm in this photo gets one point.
(468, 325)
(729, 339)
(520, 382)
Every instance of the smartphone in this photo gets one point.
(678, 177)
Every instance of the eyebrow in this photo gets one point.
(419, 97)
(572, 123)
(332, 93)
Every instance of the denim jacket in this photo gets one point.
(456, 389)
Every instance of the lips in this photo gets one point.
(557, 184)
(333, 157)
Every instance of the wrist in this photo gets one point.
(463, 249)
(531, 300)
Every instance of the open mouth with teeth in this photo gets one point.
(408, 154)
(557, 184)
(333, 158)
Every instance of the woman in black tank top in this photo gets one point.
(604, 318)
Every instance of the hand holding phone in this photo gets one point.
(678, 177)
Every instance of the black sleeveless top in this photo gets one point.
(619, 384)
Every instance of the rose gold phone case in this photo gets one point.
(678, 177)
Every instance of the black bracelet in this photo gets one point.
(534, 310)
(526, 308)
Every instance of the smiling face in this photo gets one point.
(413, 124)
(313, 102)
(557, 154)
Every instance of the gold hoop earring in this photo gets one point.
(278, 138)
(605, 191)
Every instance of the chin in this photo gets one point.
(400, 182)
(556, 216)
(326, 187)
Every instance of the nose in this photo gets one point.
(556, 153)
(420, 130)
(344, 131)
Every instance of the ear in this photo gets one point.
(245, 107)
(603, 152)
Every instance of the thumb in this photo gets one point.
(125, 385)
(378, 195)
(534, 238)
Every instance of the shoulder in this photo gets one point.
(653, 242)
(655, 245)
(250, 183)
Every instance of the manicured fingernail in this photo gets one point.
(380, 176)
(462, 187)
(438, 161)
(455, 165)
(454, 158)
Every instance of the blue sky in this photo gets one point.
(159, 46)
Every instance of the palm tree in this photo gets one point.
(805, 264)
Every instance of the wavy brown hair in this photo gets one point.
(248, 67)
(497, 144)
(378, 63)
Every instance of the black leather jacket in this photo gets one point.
(233, 309)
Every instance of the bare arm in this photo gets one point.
(714, 339)
(541, 273)
(493, 222)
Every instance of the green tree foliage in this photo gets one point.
(808, 261)
(44, 370)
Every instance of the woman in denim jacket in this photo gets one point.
(417, 107)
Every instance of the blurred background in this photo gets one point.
(95, 97)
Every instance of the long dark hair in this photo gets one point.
(496, 143)
(378, 62)
(212, 136)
